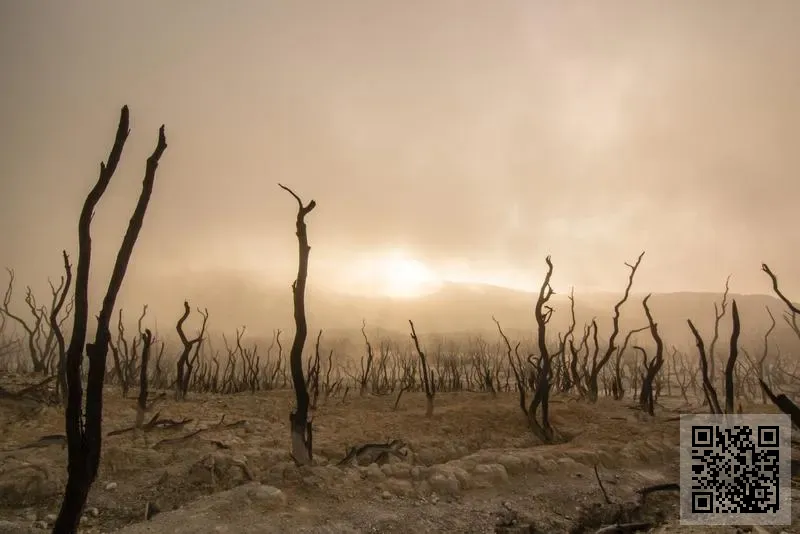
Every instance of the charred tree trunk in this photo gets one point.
(299, 421)
(61, 380)
(141, 402)
(427, 375)
(652, 368)
(365, 369)
(597, 366)
(708, 387)
(185, 365)
(731, 365)
(84, 431)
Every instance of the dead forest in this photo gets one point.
(58, 354)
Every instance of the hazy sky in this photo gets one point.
(474, 137)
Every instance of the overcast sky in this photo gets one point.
(474, 136)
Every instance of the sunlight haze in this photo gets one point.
(444, 141)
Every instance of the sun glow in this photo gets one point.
(402, 276)
(396, 273)
(393, 273)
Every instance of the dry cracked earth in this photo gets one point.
(473, 467)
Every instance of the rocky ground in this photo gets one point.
(472, 467)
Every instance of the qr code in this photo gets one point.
(735, 470)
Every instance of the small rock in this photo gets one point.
(434, 498)
(50, 518)
(30, 517)
(374, 473)
(93, 511)
(399, 487)
(268, 496)
(111, 486)
(386, 495)
(40, 525)
(443, 483)
(490, 474)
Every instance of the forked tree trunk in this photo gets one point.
(84, 431)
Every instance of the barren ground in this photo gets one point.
(470, 468)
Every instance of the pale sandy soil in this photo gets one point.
(470, 468)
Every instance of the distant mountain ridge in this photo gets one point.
(236, 299)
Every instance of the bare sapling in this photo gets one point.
(121, 361)
(185, 364)
(709, 391)
(565, 382)
(785, 404)
(425, 372)
(312, 374)
(55, 325)
(794, 312)
(652, 367)
(365, 367)
(597, 366)
(141, 401)
(732, 356)
(618, 386)
(758, 365)
(517, 368)
(84, 430)
(32, 329)
(50, 352)
(299, 421)
(719, 313)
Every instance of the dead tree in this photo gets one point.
(646, 399)
(732, 355)
(301, 429)
(141, 401)
(597, 366)
(185, 365)
(121, 361)
(365, 369)
(426, 374)
(516, 368)
(541, 395)
(312, 373)
(618, 386)
(61, 381)
(783, 403)
(719, 314)
(709, 392)
(758, 366)
(794, 311)
(31, 330)
(84, 431)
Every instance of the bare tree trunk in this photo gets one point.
(426, 373)
(141, 403)
(84, 434)
(299, 421)
(708, 387)
(541, 395)
(734, 353)
(597, 366)
(61, 380)
(646, 399)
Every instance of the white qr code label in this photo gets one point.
(736, 469)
